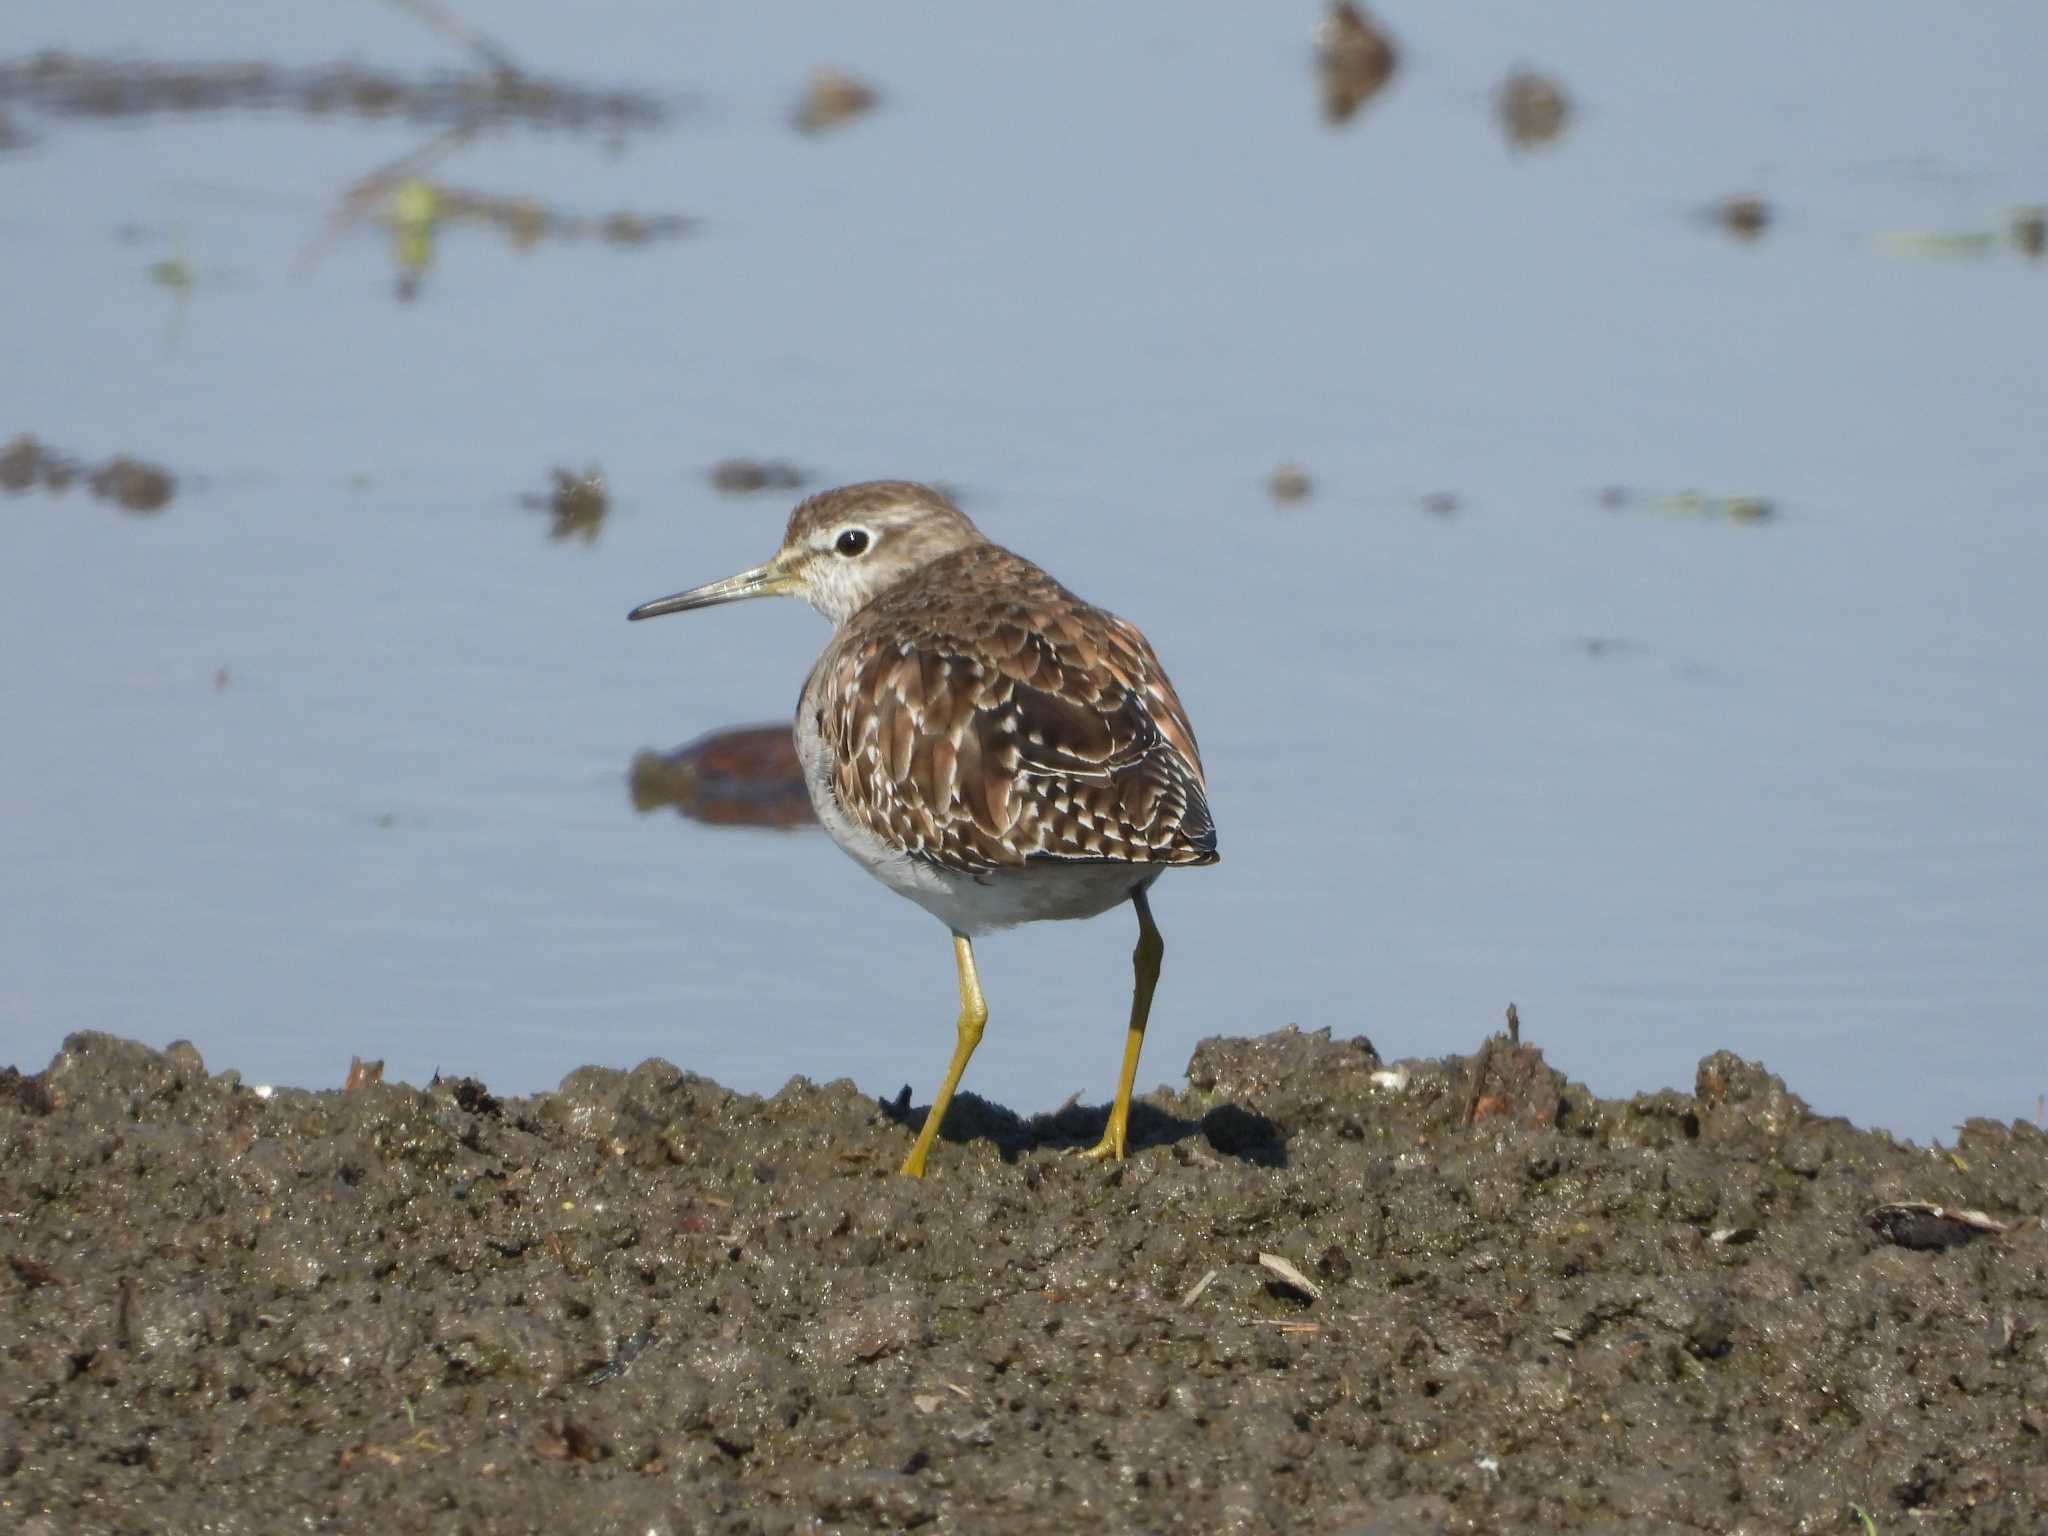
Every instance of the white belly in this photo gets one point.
(969, 904)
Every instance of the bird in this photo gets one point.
(981, 740)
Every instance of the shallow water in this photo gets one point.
(1669, 782)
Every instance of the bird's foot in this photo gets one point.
(1108, 1150)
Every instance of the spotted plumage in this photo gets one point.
(983, 716)
(979, 739)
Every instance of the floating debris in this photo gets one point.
(1534, 109)
(1735, 509)
(493, 56)
(69, 85)
(1746, 218)
(176, 276)
(21, 464)
(133, 484)
(1922, 245)
(833, 98)
(1289, 482)
(415, 216)
(741, 477)
(2030, 231)
(172, 272)
(1355, 57)
(2025, 229)
(1598, 646)
(416, 209)
(577, 503)
(527, 222)
(745, 776)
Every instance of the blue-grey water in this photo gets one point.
(1669, 782)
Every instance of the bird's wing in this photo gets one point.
(1021, 742)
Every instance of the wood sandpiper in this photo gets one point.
(980, 740)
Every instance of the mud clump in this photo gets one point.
(132, 484)
(647, 1303)
(1355, 58)
(576, 503)
(1746, 218)
(833, 98)
(1534, 109)
(1288, 483)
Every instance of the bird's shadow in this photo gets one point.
(1230, 1130)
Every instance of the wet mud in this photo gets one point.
(1326, 1294)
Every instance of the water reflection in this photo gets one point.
(742, 776)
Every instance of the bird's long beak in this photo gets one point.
(762, 581)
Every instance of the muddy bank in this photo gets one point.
(645, 1303)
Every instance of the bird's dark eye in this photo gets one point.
(853, 542)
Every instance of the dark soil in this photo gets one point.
(646, 1303)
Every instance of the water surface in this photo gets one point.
(1670, 782)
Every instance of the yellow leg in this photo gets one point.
(973, 1016)
(1145, 969)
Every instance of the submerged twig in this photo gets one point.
(441, 21)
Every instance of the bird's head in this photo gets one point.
(843, 548)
